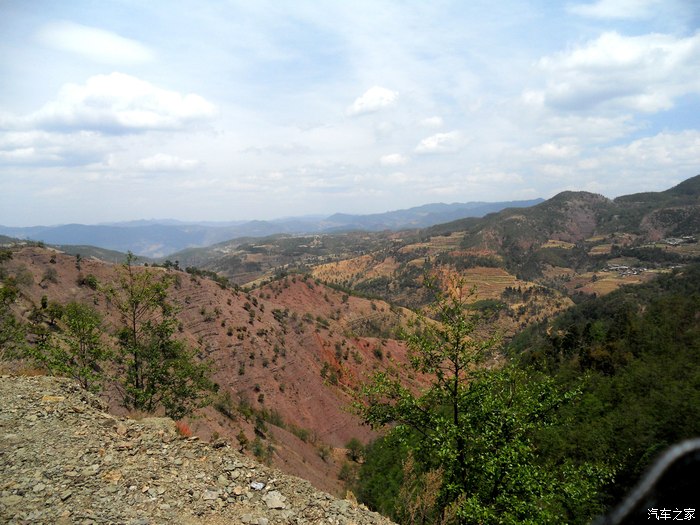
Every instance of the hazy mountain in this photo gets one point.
(158, 238)
(420, 216)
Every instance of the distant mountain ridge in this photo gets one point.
(158, 238)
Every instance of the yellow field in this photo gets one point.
(597, 238)
(440, 242)
(363, 267)
(551, 243)
(339, 271)
(489, 283)
(601, 249)
(606, 282)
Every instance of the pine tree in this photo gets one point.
(157, 370)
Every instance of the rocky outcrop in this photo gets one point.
(64, 460)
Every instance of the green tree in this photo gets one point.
(77, 350)
(157, 369)
(475, 426)
(12, 332)
(355, 449)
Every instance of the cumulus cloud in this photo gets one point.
(93, 43)
(373, 100)
(616, 9)
(642, 73)
(164, 162)
(393, 159)
(658, 153)
(441, 143)
(40, 148)
(649, 163)
(117, 103)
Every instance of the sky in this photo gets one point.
(233, 110)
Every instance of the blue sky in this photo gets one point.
(228, 110)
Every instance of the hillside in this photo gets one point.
(638, 352)
(64, 460)
(574, 243)
(628, 367)
(286, 356)
(309, 318)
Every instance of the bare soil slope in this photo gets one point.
(291, 353)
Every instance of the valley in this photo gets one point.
(293, 325)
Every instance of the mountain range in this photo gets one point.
(293, 324)
(159, 238)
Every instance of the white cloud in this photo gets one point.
(679, 151)
(556, 151)
(393, 159)
(642, 73)
(649, 163)
(117, 103)
(441, 143)
(40, 148)
(617, 9)
(374, 99)
(95, 44)
(164, 162)
(432, 122)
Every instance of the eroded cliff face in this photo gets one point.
(64, 460)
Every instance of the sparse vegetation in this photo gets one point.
(156, 369)
(77, 349)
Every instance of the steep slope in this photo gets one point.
(287, 355)
(66, 461)
(568, 216)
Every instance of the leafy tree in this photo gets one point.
(157, 369)
(76, 351)
(381, 475)
(476, 427)
(639, 349)
(12, 333)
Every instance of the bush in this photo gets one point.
(356, 449)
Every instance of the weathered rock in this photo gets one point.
(274, 500)
(64, 461)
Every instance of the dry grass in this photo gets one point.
(357, 268)
(346, 270)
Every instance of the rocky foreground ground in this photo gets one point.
(64, 460)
